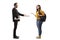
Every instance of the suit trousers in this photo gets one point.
(15, 28)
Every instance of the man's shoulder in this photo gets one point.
(13, 9)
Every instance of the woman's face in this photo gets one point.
(38, 7)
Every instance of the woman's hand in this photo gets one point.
(33, 14)
(40, 15)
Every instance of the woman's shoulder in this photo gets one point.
(42, 11)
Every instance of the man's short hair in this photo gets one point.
(15, 4)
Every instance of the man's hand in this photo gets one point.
(16, 18)
(26, 15)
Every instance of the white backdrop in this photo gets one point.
(27, 29)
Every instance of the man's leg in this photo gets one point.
(14, 31)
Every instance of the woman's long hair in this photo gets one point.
(38, 8)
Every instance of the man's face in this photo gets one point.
(16, 5)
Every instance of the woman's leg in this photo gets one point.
(39, 24)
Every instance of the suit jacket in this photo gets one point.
(16, 14)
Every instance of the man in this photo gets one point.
(16, 15)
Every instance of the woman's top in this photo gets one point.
(38, 16)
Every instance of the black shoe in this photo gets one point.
(16, 37)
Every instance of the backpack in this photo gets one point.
(43, 18)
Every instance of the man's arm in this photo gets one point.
(20, 14)
(16, 11)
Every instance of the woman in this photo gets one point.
(39, 14)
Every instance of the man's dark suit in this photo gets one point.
(15, 14)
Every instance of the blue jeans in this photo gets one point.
(39, 24)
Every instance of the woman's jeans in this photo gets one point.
(39, 25)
